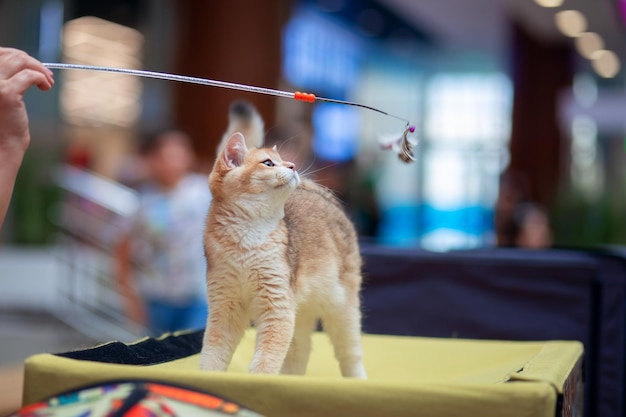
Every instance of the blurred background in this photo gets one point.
(519, 108)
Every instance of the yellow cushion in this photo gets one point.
(406, 376)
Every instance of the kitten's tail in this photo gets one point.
(243, 117)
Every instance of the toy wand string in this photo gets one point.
(403, 146)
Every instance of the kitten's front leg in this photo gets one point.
(225, 327)
(274, 333)
(300, 348)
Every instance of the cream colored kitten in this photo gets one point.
(282, 254)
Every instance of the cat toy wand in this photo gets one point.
(403, 146)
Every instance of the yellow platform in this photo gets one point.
(407, 376)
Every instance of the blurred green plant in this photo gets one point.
(580, 221)
(34, 197)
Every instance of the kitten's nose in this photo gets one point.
(291, 165)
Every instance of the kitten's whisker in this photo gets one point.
(267, 132)
(285, 141)
(308, 167)
(318, 170)
(311, 164)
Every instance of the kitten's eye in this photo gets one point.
(268, 163)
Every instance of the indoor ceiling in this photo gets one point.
(484, 24)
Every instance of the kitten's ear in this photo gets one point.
(275, 148)
(235, 151)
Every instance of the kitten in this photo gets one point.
(282, 254)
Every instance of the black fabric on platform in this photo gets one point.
(508, 294)
(145, 352)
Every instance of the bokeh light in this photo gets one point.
(549, 3)
(605, 63)
(588, 43)
(571, 22)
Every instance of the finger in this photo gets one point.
(23, 80)
(11, 58)
(13, 64)
(12, 61)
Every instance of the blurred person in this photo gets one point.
(18, 72)
(533, 229)
(161, 268)
(513, 192)
(520, 223)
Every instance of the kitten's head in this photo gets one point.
(253, 174)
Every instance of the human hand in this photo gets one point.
(18, 72)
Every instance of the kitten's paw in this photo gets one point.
(293, 368)
(359, 374)
(355, 370)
